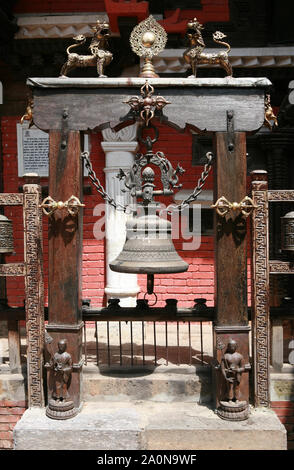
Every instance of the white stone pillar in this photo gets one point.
(120, 148)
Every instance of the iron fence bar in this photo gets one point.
(166, 343)
(108, 345)
(201, 342)
(154, 335)
(120, 343)
(97, 346)
(132, 346)
(190, 348)
(143, 342)
(178, 343)
(85, 345)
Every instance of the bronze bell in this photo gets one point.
(287, 232)
(148, 248)
(6, 235)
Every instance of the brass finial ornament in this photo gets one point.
(148, 39)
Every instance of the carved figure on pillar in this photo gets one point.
(61, 366)
(232, 367)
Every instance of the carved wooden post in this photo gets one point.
(14, 346)
(34, 291)
(277, 337)
(231, 267)
(260, 289)
(65, 255)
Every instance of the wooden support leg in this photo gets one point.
(14, 346)
(64, 339)
(231, 322)
(277, 344)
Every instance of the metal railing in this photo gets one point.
(147, 343)
(126, 340)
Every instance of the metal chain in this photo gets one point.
(191, 198)
(100, 189)
(201, 182)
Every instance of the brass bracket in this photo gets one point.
(49, 206)
(223, 206)
(28, 116)
(230, 130)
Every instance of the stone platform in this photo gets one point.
(144, 425)
(163, 384)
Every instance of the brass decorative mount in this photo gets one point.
(148, 39)
(49, 206)
(28, 116)
(223, 206)
(270, 119)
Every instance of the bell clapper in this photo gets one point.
(150, 283)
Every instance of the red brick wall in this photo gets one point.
(10, 413)
(285, 412)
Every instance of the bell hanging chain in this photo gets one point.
(191, 198)
(100, 189)
(197, 190)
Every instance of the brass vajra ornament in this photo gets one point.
(195, 56)
(148, 39)
(49, 206)
(223, 206)
(100, 57)
(146, 104)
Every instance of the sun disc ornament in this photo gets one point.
(148, 39)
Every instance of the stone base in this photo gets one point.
(233, 411)
(163, 384)
(149, 426)
(61, 410)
